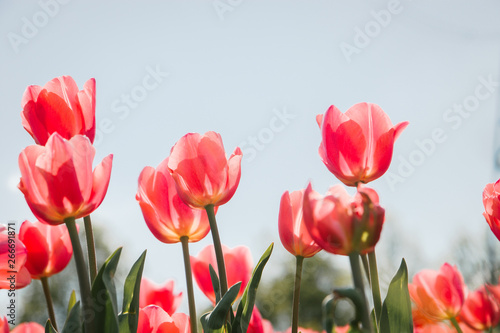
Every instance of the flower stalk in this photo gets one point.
(218, 249)
(358, 284)
(296, 293)
(89, 234)
(189, 283)
(48, 299)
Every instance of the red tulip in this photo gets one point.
(59, 107)
(438, 294)
(258, 324)
(57, 179)
(239, 265)
(293, 232)
(13, 254)
(30, 327)
(49, 248)
(160, 295)
(480, 311)
(4, 325)
(357, 146)
(153, 319)
(202, 174)
(336, 221)
(166, 215)
(491, 201)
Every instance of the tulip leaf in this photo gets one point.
(49, 328)
(215, 283)
(129, 317)
(104, 295)
(73, 323)
(245, 308)
(71, 302)
(215, 320)
(396, 314)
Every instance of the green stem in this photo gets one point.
(189, 283)
(358, 284)
(296, 294)
(374, 281)
(48, 299)
(83, 276)
(366, 267)
(218, 249)
(455, 324)
(89, 234)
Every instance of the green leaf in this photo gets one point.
(104, 295)
(49, 328)
(214, 321)
(245, 308)
(129, 317)
(215, 283)
(328, 313)
(73, 323)
(71, 302)
(396, 311)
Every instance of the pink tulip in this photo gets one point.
(258, 324)
(202, 174)
(239, 265)
(491, 201)
(160, 295)
(438, 294)
(30, 327)
(4, 325)
(480, 311)
(59, 107)
(292, 230)
(153, 319)
(357, 146)
(49, 248)
(336, 221)
(13, 255)
(166, 215)
(57, 179)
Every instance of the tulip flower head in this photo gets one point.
(153, 319)
(342, 224)
(13, 255)
(29, 327)
(59, 107)
(165, 213)
(481, 310)
(160, 295)
(292, 230)
(57, 179)
(48, 247)
(239, 265)
(357, 145)
(491, 201)
(438, 294)
(202, 173)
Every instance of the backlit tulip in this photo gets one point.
(57, 179)
(239, 266)
(438, 294)
(59, 107)
(13, 254)
(357, 145)
(160, 295)
(202, 173)
(153, 319)
(292, 230)
(258, 324)
(30, 327)
(4, 325)
(49, 248)
(342, 224)
(491, 202)
(480, 310)
(166, 215)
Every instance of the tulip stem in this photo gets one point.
(189, 283)
(358, 284)
(375, 286)
(89, 233)
(48, 299)
(296, 294)
(218, 249)
(455, 324)
(83, 276)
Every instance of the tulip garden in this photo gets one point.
(179, 199)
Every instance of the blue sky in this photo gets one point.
(258, 72)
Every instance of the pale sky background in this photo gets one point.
(233, 66)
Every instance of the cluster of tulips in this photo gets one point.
(179, 200)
